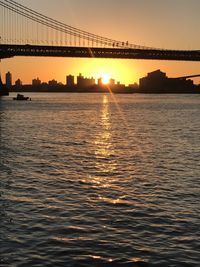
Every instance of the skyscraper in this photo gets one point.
(8, 80)
(70, 80)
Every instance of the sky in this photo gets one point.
(170, 24)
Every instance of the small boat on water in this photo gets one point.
(21, 97)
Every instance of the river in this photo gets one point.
(100, 180)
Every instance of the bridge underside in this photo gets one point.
(8, 51)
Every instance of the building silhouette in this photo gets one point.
(36, 82)
(80, 80)
(70, 81)
(112, 82)
(52, 83)
(158, 82)
(18, 83)
(8, 80)
(100, 82)
(83, 82)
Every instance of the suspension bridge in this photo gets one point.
(25, 32)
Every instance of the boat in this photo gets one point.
(21, 97)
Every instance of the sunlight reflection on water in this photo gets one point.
(104, 148)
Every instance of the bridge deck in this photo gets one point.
(7, 51)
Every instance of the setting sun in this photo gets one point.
(105, 79)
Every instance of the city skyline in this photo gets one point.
(71, 80)
(9, 81)
(154, 23)
(156, 81)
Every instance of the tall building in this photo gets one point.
(70, 81)
(100, 82)
(80, 80)
(8, 80)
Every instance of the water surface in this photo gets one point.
(100, 180)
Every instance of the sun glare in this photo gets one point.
(105, 79)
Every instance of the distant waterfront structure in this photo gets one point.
(88, 82)
(153, 80)
(112, 82)
(83, 82)
(53, 83)
(158, 82)
(70, 81)
(18, 83)
(8, 80)
(134, 86)
(80, 81)
(36, 82)
(100, 82)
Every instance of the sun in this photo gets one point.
(105, 78)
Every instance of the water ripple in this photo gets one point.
(82, 185)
